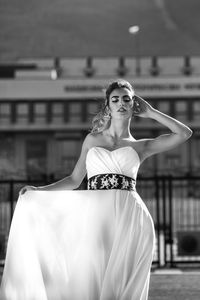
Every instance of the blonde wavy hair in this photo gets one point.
(102, 119)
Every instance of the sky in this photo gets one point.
(65, 28)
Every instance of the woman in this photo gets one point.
(96, 244)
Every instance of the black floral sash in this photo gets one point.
(111, 181)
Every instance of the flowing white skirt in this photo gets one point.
(79, 245)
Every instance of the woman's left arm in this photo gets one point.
(180, 132)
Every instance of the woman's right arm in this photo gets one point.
(72, 181)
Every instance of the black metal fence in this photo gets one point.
(174, 203)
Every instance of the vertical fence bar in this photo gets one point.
(158, 216)
(164, 229)
(170, 187)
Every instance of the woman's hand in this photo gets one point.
(142, 108)
(27, 188)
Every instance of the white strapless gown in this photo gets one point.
(81, 244)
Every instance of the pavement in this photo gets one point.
(172, 284)
(175, 284)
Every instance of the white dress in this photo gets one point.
(82, 244)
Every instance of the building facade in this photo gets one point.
(46, 111)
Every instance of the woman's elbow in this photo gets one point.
(187, 133)
(76, 180)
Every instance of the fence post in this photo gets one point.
(164, 225)
(171, 221)
(158, 215)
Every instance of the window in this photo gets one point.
(196, 110)
(68, 150)
(181, 110)
(173, 163)
(7, 156)
(75, 112)
(163, 106)
(40, 112)
(36, 158)
(58, 111)
(92, 108)
(5, 111)
(196, 154)
(22, 113)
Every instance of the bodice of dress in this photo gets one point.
(124, 160)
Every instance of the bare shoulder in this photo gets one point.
(140, 147)
(91, 140)
(150, 146)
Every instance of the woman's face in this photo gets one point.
(121, 103)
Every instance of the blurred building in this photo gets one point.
(46, 108)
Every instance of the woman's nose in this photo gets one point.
(121, 103)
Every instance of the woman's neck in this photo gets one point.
(119, 131)
(116, 138)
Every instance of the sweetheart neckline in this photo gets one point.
(115, 150)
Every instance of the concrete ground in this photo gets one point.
(173, 285)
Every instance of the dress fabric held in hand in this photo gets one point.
(82, 244)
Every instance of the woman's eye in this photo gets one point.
(114, 101)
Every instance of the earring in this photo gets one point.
(107, 116)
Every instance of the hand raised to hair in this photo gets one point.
(27, 188)
(142, 108)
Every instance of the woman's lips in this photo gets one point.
(122, 110)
